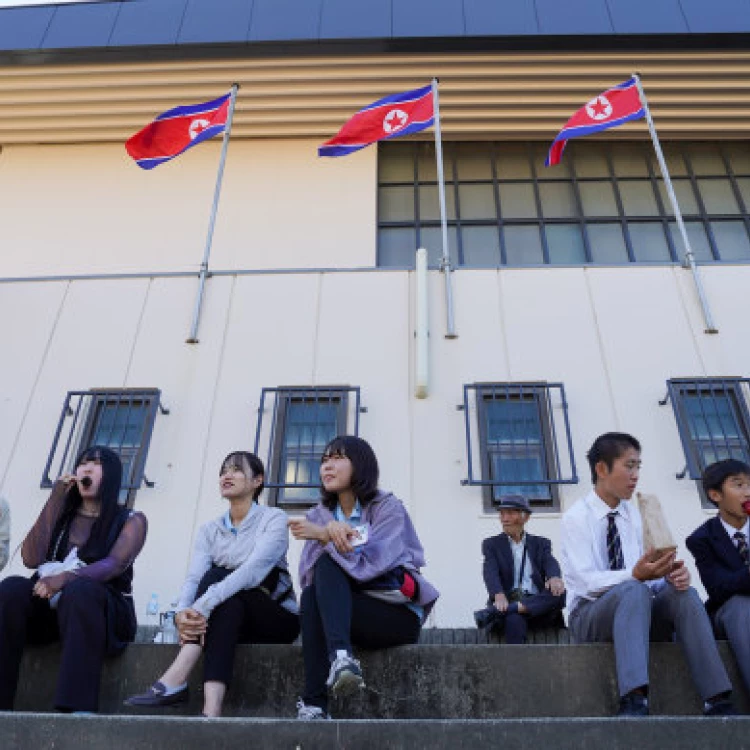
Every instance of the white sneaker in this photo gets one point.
(310, 713)
(345, 677)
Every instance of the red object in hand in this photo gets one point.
(746, 507)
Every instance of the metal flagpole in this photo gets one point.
(193, 336)
(689, 257)
(445, 261)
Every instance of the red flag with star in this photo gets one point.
(389, 117)
(177, 130)
(611, 108)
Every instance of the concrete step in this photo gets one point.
(24, 731)
(410, 682)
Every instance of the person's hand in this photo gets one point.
(301, 528)
(680, 576)
(501, 602)
(340, 533)
(191, 626)
(68, 480)
(47, 587)
(650, 567)
(555, 586)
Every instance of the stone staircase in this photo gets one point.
(450, 691)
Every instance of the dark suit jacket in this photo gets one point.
(498, 568)
(719, 563)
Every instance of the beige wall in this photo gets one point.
(613, 336)
(90, 209)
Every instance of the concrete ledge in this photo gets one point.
(24, 731)
(410, 682)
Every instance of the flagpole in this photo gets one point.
(445, 261)
(193, 335)
(689, 257)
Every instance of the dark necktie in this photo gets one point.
(742, 547)
(614, 545)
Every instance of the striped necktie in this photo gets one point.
(614, 545)
(742, 547)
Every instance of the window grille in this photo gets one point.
(296, 423)
(712, 419)
(122, 420)
(522, 441)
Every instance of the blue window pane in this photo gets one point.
(516, 447)
(565, 244)
(120, 423)
(309, 427)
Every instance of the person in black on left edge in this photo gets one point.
(89, 605)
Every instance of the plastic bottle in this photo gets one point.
(152, 610)
(169, 629)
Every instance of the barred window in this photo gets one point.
(604, 204)
(713, 422)
(519, 427)
(301, 422)
(121, 420)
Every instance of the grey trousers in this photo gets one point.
(629, 615)
(732, 621)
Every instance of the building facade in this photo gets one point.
(574, 312)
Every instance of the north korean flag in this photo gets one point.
(177, 130)
(390, 117)
(614, 107)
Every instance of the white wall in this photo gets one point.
(90, 209)
(612, 336)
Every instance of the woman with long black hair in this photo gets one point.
(359, 573)
(84, 545)
(238, 590)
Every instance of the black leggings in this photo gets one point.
(334, 615)
(80, 622)
(249, 616)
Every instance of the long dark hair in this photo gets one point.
(365, 471)
(96, 546)
(250, 465)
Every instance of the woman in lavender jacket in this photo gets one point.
(359, 574)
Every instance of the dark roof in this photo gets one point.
(124, 24)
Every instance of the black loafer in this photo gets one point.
(721, 707)
(633, 704)
(156, 696)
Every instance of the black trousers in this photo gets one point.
(79, 622)
(548, 612)
(249, 616)
(334, 615)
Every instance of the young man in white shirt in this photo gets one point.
(722, 556)
(618, 592)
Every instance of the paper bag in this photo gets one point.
(656, 533)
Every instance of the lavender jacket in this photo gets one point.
(392, 541)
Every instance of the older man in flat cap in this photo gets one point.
(522, 577)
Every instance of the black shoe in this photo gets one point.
(721, 707)
(155, 697)
(633, 704)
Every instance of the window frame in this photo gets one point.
(736, 390)
(87, 415)
(347, 399)
(549, 446)
(629, 225)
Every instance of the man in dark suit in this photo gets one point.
(522, 577)
(720, 548)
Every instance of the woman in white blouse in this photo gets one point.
(238, 590)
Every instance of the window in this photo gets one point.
(301, 423)
(604, 204)
(518, 428)
(121, 420)
(713, 422)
